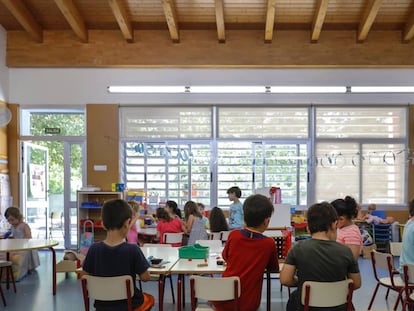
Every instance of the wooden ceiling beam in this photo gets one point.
(270, 20)
(319, 19)
(121, 16)
(371, 11)
(171, 18)
(408, 33)
(25, 18)
(73, 17)
(221, 34)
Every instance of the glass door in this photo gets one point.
(34, 188)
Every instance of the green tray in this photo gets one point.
(195, 251)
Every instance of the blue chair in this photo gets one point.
(382, 236)
(380, 214)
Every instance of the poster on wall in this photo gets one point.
(37, 180)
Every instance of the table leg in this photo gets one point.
(54, 270)
(268, 290)
(179, 289)
(7, 273)
(161, 282)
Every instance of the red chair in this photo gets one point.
(383, 262)
(408, 285)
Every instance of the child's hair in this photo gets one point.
(114, 213)
(191, 208)
(134, 205)
(173, 205)
(201, 206)
(346, 207)
(372, 207)
(411, 208)
(217, 220)
(14, 212)
(320, 217)
(163, 214)
(236, 190)
(256, 209)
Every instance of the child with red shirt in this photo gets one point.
(249, 253)
(167, 224)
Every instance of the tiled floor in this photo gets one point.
(34, 292)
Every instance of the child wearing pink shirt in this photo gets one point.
(348, 233)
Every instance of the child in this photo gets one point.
(21, 230)
(369, 218)
(348, 233)
(202, 209)
(132, 236)
(217, 220)
(172, 208)
(407, 249)
(166, 224)
(249, 253)
(114, 257)
(194, 225)
(236, 208)
(320, 258)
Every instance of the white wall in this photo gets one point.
(4, 71)
(79, 86)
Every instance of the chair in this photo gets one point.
(156, 277)
(395, 250)
(215, 235)
(327, 294)
(408, 286)
(173, 238)
(382, 236)
(214, 289)
(111, 288)
(5, 264)
(383, 262)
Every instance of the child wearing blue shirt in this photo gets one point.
(236, 208)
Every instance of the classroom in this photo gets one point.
(180, 100)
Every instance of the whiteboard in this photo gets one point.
(281, 216)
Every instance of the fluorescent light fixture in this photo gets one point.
(308, 89)
(228, 89)
(147, 89)
(382, 89)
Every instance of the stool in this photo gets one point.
(5, 264)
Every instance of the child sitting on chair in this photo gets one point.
(369, 218)
(320, 258)
(249, 253)
(114, 257)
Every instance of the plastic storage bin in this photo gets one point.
(195, 251)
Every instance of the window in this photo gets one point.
(361, 152)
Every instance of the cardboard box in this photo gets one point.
(366, 250)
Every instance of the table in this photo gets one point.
(167, 253)
(16, 245)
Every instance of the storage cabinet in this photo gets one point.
(89, 205)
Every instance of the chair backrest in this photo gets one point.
(215, 236)
(380, 214)
(173, 238)
(107, 289)
(214, 289)
(385, 262)
(327, 294)
(215, 245)
(395, 248)
(408, 279)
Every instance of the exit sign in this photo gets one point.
(52, 130)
